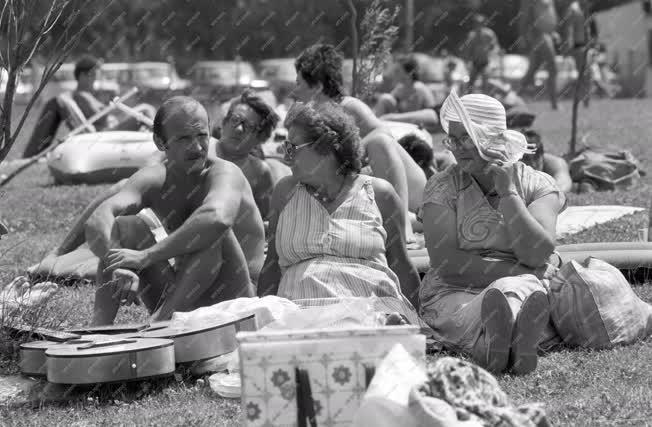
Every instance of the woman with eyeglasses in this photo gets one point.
(489, 223)
(334, 233)
(320, 80)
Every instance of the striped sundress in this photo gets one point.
(327, 258)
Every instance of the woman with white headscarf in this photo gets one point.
(489, 223)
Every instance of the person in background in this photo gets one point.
(410, 101)
(489, 223)
(335, 233)
(66, 107)
(554, 166)
(421, 151)
(576, 40)
(480, 45)
(538, 24)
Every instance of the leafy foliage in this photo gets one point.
(379, 34)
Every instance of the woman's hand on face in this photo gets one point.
(503, 176)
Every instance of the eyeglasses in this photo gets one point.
(236, 120)
(291, 149)
(454, 143)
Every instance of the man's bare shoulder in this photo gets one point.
(146, 178)
(220, 169)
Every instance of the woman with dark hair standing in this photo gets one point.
(330, 225)
(410, 101)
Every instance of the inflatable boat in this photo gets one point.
(102, 157)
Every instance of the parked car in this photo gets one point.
(157, 76)
(219, 81)
(280, 74)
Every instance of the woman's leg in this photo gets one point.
(528, 302)
(478, 325)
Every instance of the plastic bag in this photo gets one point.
(266, 309)
(385, 403)
(344, 313)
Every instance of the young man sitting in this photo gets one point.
(215, 232)
(58, 109)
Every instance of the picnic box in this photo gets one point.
(337, 362)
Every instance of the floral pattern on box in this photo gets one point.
(336, 365)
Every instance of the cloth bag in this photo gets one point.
(314, 377)
(593, 306)
(606, 171)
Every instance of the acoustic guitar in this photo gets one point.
(32, 354)
(199, 344)
(112, 360)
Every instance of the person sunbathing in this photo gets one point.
(483, 294)
(319, 79)
(410, 101)
(70, 107)
(216, 235)
(330, 224)
(554, 166)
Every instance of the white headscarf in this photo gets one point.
(485, 121)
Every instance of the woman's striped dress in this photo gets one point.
(326, 258)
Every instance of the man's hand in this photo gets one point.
(126, 258)
(125, 285)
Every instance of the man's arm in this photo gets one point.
(127, 201)
(557, 168)
(270, 276)
(208, 222)
(263, 188)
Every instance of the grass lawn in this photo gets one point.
(577, 387)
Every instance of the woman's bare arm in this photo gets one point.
(397, 256)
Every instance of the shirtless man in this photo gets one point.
(319, 79)
(216, 235)
(248, 123)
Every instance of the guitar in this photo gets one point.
(32, 354)
(113, 359)
(199, 344)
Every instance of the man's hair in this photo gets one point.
(533, 138)
(85, 64)
(410, 66)
(268, 117)
(418, 148)
(169, 108)
(322, 63)
(332, 130)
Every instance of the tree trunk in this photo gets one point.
(576, 101)
(354, 45)
(5, 116)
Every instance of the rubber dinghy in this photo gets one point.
(102, 157)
